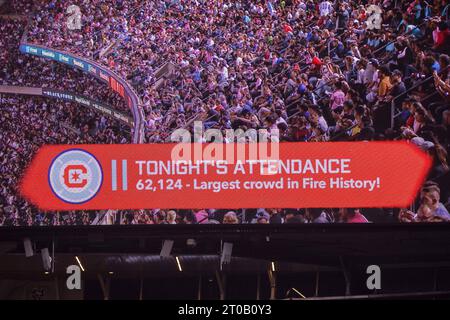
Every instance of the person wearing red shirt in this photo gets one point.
(441, 37)
(352, 215)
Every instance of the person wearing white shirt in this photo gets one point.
(225, 73)
(325, 8)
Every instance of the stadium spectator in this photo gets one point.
(317, 216)
(230, 218)
(430, 209)
(352, 215)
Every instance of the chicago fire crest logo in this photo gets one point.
(75, 176)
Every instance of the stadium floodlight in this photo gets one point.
(166, 248)
(28, 247)
(79, 263)
(288, 293)
(227, 249)
(46, 259)
(273, 266)
(179, 264)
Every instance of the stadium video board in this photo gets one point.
(274, 112)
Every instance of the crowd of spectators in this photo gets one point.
(27, 123)
(314, 70)
(249, 216)
(16, 7)
(30, 122)
(17, 69)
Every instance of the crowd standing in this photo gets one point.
(314, 70)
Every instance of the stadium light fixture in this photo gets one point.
(111, 272)
(227, 251)
(79, 263)
(166, 248)
(46, 260)
(299, 293)
(28, 247)
(191, 243)
(179, 264)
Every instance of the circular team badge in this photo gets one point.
(75, 176)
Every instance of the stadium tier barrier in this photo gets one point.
(29, 91)
(115, 82)
(13, 17)
(71, 97)
(162, 74)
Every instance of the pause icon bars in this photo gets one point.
(115, 174)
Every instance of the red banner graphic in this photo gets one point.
(293, 175)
